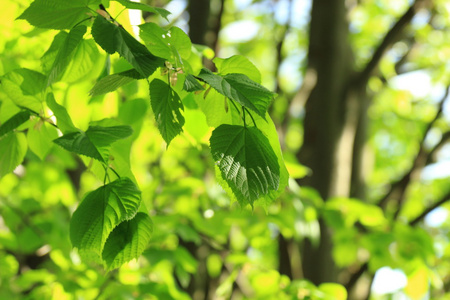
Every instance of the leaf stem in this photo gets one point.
(243, 114)
(254, 123)
(81, 22)
(115, 172)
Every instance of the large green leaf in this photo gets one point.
(167, 107)
(113, 38)
(14, 122)
(65, 52)
(127, 241)
(241, 89)
(57, 14)
(95, 142)
(112, 82)
(63, 119)
(172, 44)
(25, 88)
(100, 212)
(246, 160)
(144, 7)
(13, 148)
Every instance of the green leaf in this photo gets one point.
(40, 137)
(25, 88)
(100, 212)
(14, 122)
(240, 88)
(127, 241)
(65, 52)
(237, 64)
(191, 84)
(167, 107)
(13, 148)
(95, 142)
(63, 119)
(86, 63)
(112, 82)
(246, 161)
(144, 7)
(172, 44)
(57, 14)
(113, 39)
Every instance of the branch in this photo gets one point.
(398, 188)
(420, 217)
(390, 38)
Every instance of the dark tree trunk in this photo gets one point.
(328, 130)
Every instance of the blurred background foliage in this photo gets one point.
(204, 246)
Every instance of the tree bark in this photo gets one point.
(328, 130)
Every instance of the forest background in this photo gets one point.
(362, 119)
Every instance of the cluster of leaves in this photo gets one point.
(111, 225)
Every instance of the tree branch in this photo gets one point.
(420, 217)
(398, 188)
(390, 38)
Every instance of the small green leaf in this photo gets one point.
(237, 64)
(95, 142)
(191, 84)
(144, 7)
(240, 88)
(13, 147)
(64, 55)
(246, 160)
(40, 137)
(167, 107)
(14, 122)
(63, 119)
(25, 88)
(172, 44)
(112, 82)
(57, 14)
(127, 241)
(99, 213)
(113, 38)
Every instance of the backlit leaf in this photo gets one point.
(237, 64)
(95, 142)
(113, 38)
(57, 14)
(65, 52)
(40, 137)
(241, 89)
(112, 82)
(172, 44)
(144, 7)
(246, 160)
(13, 148)
(63, 119)
(25, 88)
(127, 241)
(167, 107)
(100, 212)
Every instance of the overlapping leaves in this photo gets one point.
(104, 227)
(246, 161)
(95, 141)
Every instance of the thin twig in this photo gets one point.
(390, 38)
